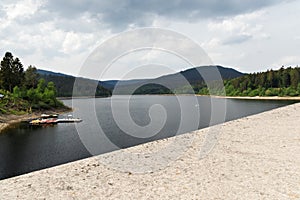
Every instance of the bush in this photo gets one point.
(254, 93)
(292, 92)
(272, 92)
(16, 92)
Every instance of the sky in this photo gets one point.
(247, 35)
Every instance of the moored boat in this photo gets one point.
(43, 121)
(53, 119)
(69, 120)
(46, 116)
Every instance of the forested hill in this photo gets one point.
(22, 91)
(178, 82)
(191, 75)
(282, 82)
(64, 85)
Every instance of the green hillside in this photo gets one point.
(282, 82)
(23, 91)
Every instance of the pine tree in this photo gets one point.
(285, 79)
(294, 74)
(18, 72)
(6, 71)
(270, 79)
(11, 72)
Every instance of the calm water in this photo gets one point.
(24, 149)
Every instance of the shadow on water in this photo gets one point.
(25, 148)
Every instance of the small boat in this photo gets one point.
(45, 116)
(69, 119)
(50, 121)
(53, 119)
(35, 122)
(43, 121)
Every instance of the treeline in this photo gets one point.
(151, 89)
(282, 82)
(64, 86)
(24, 90)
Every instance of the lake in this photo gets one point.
(25, 149)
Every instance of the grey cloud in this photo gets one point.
(238, 39)
(24, 51)
(2, 13)
(39, 17)
(121, 13)
(77, 26)
(9, 1)
(7, 31)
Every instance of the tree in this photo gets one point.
(11, 72)
(18, 72)
(270, 79)
(49, 95)
(285, 79)
(31, 77)
(16, 92)
(41, 85)
(283, 82)
(6, 71)
(294, 74)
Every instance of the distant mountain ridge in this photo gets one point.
(169, 83)
(192, 76)
(45, 72)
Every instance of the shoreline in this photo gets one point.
(81, 97)
(9, 120)
(212, 96)
(255, 98)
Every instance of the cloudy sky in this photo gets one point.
(248, 35)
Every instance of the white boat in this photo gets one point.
(53, 119)
(45, 116)
(69, 120)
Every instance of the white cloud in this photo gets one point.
(239, 28)
(211, 44)
(297, 37)
(71, 43)
(237, 39)
(288, 61)
(24, 8)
